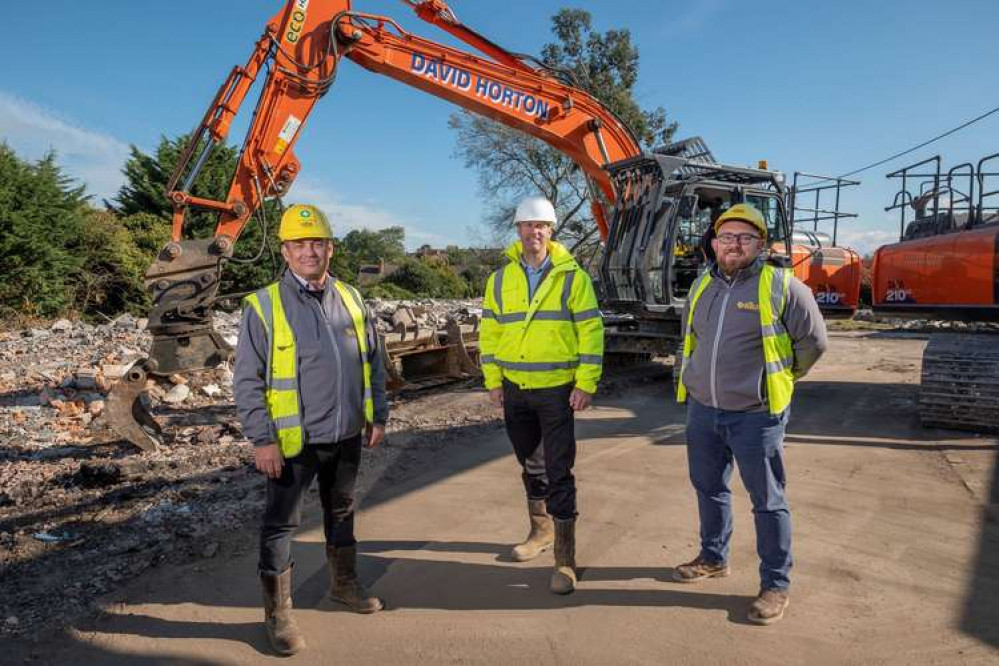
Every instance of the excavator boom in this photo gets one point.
(298, 54)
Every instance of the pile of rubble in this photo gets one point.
(425, 315)
(81, 511)
(54, 381)
(925, 325)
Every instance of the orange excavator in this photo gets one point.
(945, 266)
(654, 201)
(832, 271)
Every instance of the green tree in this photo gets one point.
(111, 279)
(41, 215)
(511, 164)
(422, 279)
(370, 246)
(58, 254)
(256, 254)
(388, 291)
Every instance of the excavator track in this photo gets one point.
(960, 382)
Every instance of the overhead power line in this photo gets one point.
(923, 144)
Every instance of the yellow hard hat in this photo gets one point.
(743, 212)
(303, 221)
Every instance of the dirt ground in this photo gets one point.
(896, 542)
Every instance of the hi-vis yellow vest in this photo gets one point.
(283, 401)
(554, 338)
(778, 350)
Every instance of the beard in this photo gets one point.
(730, 261)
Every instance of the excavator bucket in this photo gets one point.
(416, 357)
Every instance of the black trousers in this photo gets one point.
(336, 467)
(542, 419)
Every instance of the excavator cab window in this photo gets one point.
(692, 248)
(772, 213)
(698, 210)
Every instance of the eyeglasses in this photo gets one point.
(744, 239)
(317, 245)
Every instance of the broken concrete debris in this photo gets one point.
(81, 512)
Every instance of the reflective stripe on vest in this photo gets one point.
(778, 351)
(355, 306)
(282, 398)
(565, 314)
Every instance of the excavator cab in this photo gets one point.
(659, 239)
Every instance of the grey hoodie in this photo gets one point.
(726, 370)
(330, 380)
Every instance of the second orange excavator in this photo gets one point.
(945, 266)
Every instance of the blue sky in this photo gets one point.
(822, 86)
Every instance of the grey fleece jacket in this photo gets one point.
(726, 370)
(330, 375)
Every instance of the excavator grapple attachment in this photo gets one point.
(184, 284)
(126, 410)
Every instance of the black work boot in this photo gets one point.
(282, 631)
(563, 579)
(347, 589)
(541, 536)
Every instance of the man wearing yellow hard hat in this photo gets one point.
(309, 384)
(751, 330)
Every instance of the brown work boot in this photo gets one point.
(284, 634)
(563, 579)
(541, 536)
(768, 607)
(699, 569)
(347, 589)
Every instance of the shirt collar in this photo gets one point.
(544, 264)
(304, 284)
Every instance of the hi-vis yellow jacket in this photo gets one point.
(555, 339)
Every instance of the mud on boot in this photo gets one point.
(769, 606)
(282, 631)
(563, 579)
(346, 588)
(699, 569)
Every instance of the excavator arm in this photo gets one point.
(299, 54)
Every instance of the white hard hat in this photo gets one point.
(535, 209)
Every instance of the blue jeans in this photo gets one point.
(755, 440)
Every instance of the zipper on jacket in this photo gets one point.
(336, 355)
(714, 347)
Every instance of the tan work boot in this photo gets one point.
(768, 607)
(541, 536)
(699, 569)
(346, 588)
(284, 634)
(563, 579)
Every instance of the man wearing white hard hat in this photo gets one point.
(541, 344)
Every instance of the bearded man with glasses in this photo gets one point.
(751, 330)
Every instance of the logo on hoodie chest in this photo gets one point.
(748, 305)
